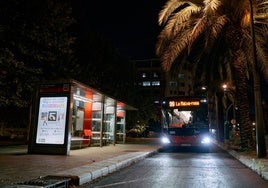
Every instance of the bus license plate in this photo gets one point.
(185, 144)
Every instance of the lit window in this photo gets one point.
(155, 75)
(173, 83)
(181, 75)
(147, 83)
(155, 83)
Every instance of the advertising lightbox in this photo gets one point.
(51, 120)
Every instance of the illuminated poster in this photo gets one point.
(51, 120)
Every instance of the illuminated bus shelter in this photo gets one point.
(69, 114)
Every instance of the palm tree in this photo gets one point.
(216, 33)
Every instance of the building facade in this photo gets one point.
(179, 84)
(150, 79)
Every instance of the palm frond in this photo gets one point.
(261, 15)
(181, 19)
(215, 30)
(197, 30)
(262, 5)
(220, 22)
(162, 43)
(172, 6)
(168, 10)
(211, 6)
(176, 46)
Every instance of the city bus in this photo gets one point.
(185, 123)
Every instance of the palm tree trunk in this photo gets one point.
(261, 146)
(260, 135)
(243, 105)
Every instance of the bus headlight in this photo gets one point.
(165, 140)
(206, 140)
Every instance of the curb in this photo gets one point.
(88, 173)
(252, 163)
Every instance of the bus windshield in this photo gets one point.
(187, 119)
(182, 117)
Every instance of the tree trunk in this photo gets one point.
(243, 105)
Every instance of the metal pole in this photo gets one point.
(226, 124)
(260, 142)
(227, 112)
(102, 120)
(115, 121)
(217, 116)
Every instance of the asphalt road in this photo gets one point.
(184, 168)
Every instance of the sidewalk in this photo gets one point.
(258, 165)
(85, 165)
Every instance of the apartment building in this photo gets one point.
(158, 84)
(150, 79)
(179, 84)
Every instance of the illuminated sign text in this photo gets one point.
(174, 104)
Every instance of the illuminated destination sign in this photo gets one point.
(184, 103)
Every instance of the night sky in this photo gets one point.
(129, 25)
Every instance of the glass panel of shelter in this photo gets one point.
(103, 116)
(120, 126)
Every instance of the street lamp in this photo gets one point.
(228, 90)
(260, 137)
(208, 101)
